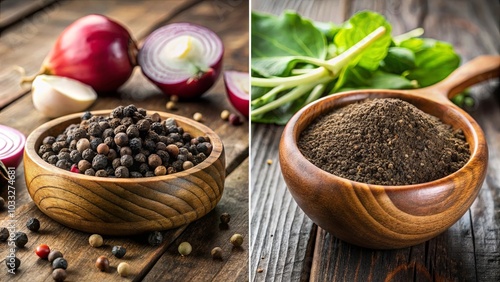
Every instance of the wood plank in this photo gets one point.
(207, 233)
(15, 11)
(27, 44)
(468, 251)
(280, 231)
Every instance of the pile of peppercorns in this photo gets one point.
(127, 143)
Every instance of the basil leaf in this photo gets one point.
(276, 41)
(398, 60)
(434, 60)
(359, 26)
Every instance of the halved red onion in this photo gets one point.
(11, 146)
(237, 88)
(182, 59)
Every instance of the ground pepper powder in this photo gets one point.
(384, 141)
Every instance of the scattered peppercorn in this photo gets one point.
(234, 119)
(170, 105)
(269, 162)
(174, 98)
(54, 254)
(123, 269)
(236, 240)
(20, 239)
(118, 251)
(13, 263)
(42, 251)
(59, 274)
(95, 240)
(155, 238)
(4, 234)
(224, 115)
(197, 116)
(225, 218)
(216, 253)
(184, 248)
(102, 263)
(60, 262)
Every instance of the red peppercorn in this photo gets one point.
(42, 251)
(74, 168)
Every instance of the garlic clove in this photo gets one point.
(55, 96)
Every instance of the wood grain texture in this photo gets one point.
(124, 206)
(469, 249)
(209, 233)
(229, 20)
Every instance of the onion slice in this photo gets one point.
(182, 59)
(237, 89)
(55, 96)
(11, 146)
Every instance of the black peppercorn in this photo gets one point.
(54, 254)
(225, 218)
(121, 172)
(59, 274)
(90, 172)
(135, 174)
(63, 164)
(140, 158)
(154, 160)
(117, 112)
(75, 156)
(127, 160)
(87, 115)
(143, 125)
(99, 162)
(88, 154)
(52, 159)
(49, 140)
(4, 234)
(44, 149)
(94, 129)
(46, 156)
(33, 224)
(120, 128)
(155, 238)
(157, 127)
(13, 263)
(129, 110)
(60, 262)
(101, 173)
(132, 131)
(108, 132)
(95, 142)
(121, 139)
(135, 144)
(116, 163)
(20, 239)
(118, 251)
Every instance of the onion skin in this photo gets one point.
(237, 96)
(193, 87)
(94, 50)
(11, 146)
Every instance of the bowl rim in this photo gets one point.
(31, 151)
(288, 140)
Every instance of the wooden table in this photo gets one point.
(28, 31)
(287, 246)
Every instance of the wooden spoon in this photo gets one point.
(388, 217)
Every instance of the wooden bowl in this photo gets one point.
(113, 206)
(389, 217)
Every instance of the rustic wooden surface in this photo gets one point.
(287, 246)
(27, 34)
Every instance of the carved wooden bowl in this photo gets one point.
(113, 206)
(389, 217)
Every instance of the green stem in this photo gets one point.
(289, 97)
(410, 34)
(316, 93)
(291, 81)
(268, 95)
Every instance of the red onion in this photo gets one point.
(11, 146)
(182, 59)
(237, 88)
(94, 50)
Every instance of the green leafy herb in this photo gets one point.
(296, 60)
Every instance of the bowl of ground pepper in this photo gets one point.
(124, 171)
(387, 169)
